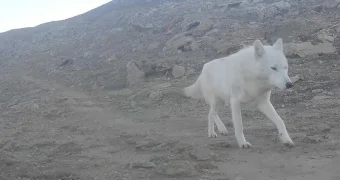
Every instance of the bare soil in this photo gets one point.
(85, 121)
(49, 131)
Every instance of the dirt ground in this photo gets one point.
(49, 131)
(85, 121)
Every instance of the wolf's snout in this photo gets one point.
(289, 85)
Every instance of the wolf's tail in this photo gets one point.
(193, 91)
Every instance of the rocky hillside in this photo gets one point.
(92, 97)
(91, 51)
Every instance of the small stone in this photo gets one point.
(338, 28)
(178, 169)
(204, 26)
(142, 164)
(317, 91)
(111, 59)
(155, 95)
(213, 32)
(36, 106)
(234, 5)
(145, 145)
(122, 92)
(181, 43)
(149, 26)
(282, 6)
(318, 8)
(311, 139)
(190, 72)
(220, 145)
(296, 78)
(205, 166)
(307, 48)
(192, 25)
(323, 128)
(200, 154)
(135, 75)
(159, 159)
(178, 71)
(326, 38)
(153, 46)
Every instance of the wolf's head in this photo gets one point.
(273, 63)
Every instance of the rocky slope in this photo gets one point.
(94, 96)
(158, 34)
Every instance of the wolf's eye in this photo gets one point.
(274, 68)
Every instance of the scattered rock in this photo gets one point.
(318, 8)
(153, 46)
(142, 27)
(205, 166)
(190, 72)
(145, 145)
(208, 39)
(296, 78)
(142, 164)
(225, 48)
(178, 71)
(307, 48)
(213, 32)
(178, 169)
(330, 4)
(156, 96)
(13, 103)
(65, 63)
(154, 69)
(159, 159)
(161, 86)
(311, 139)
(304, 37)
(323, 128)
(192, 25)
(204, 26)
(181, 42)
(201, 154)
(326, 38)
(123, 92)
(135, 75)
(35, 106)
(338, 28)
(282, 6)
(233, 5)
(220, 145)
(111, 59)
(317, 91)
(324, 100)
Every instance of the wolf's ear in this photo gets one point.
(278, 44)
(258, 48)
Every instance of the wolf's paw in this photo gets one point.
(223, 132)
(212, 135)
(244, 145)
(287, 141)
(289, 144)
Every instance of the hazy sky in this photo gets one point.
(27, 13)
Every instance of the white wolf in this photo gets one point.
(244, 77)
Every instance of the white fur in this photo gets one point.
(244, 77)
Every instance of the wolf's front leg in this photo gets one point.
(267, 109)
(237, 120)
